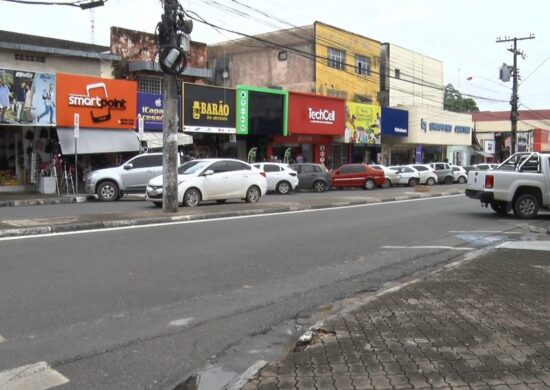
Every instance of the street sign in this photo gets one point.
(76, 125)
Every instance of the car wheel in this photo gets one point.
(319, 186)
(449, 180)
(283, 187)
(462, 180)
(253, 195)
(369, 184)
(430, 181)
(192, 197)
(526, 206)
(499, 207)
(387, 183)
(413, 182)
(221, 201)
(107, 191)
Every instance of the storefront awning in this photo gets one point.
(154, 139)
(93, 141)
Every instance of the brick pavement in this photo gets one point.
(484, 324)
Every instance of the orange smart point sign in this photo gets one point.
(100, 103)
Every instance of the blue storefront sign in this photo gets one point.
(150, 107)
(395, 122)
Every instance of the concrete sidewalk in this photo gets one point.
(152, 215)
(483, 323)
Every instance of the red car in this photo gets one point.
(357, 175)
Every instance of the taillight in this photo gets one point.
(263, 174)
(489, 181)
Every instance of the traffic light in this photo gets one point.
(173, 40)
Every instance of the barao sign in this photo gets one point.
(208, 109)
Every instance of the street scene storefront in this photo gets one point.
(395, 126)
(209, 115)
(262, 114)
(433, 135)
(105, 111)
(27, 120)
(313, 120)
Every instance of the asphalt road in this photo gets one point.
(143, 308)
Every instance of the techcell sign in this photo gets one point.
(322, 116)
(395, 122)
(315, 115)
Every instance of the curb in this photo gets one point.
(52, 229)
(44, 201)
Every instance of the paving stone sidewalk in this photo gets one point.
(484, 324)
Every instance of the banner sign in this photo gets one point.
(101, 103)
(395, 122)
(262, 111)
(362, 124)
(208, 109)
(315, 114)
(151, 108)
(29, 98)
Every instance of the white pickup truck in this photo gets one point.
(521, 184)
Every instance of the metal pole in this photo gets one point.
(170, 121)
(76, 165)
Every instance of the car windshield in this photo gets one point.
(191, 167)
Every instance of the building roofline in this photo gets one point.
(346, 31)
(524, 115)
(417, 52)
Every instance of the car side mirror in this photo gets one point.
(127, 167)
(208, 173)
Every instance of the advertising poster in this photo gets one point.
(395, 122)
(208, 109)
(28, 97)
(362, 124)
(150, 107)
(101, 103)
(314, 114)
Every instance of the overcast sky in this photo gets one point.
(461, 34)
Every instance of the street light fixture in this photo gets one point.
(470, 78)
(92, 4)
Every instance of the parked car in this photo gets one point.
(485, 166)
(131, 177)
(444, 172)
(357, 175)
(213, 179)
(407, 175)
(460, 174)
(392, 177)
(427, 174)
(312, 176)
(280, 177)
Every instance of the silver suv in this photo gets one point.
(444, 172)
(131, 177)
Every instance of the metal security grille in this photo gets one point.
(150, 84)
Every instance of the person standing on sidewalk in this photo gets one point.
(4, 100)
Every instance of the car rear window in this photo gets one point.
(354, 168)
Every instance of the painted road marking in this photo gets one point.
(181, 322)
(483, 232)
(452, 248)
(38, 376)
(186, 222)
(526, 245)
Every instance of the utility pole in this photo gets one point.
(173, 31)
(515, 98)
(170, 118)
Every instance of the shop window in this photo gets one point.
(150, 84)
(336, 59)
(362, 65)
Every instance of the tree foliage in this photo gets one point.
(454, 101)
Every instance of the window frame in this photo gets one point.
(336, 58)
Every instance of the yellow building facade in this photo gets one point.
(347, 65)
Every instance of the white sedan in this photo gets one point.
(279, 176)
(407, 175)
(427, 174)
(460, 174)
(213, 179)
